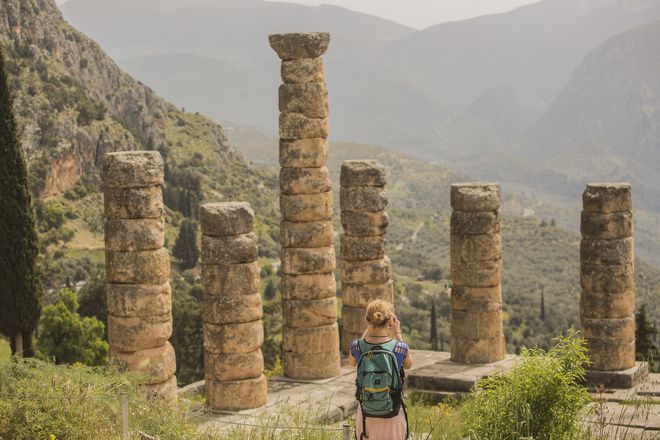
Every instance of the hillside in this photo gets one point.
(607, 120)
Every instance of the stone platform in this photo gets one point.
(625, 379)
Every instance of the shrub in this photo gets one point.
(541, 398)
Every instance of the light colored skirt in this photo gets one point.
(382, 429)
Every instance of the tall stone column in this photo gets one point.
(310, 336)
(607, 303)
(232, 311)
(138, 268)
(366, 270)
(477, 333)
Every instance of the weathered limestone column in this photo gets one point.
(477, 333)
(232, 312)
(366, 270)
(310, 336)
(607, 303)
(138, 268)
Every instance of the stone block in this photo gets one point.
(474, 249)
(292, 46)
(236, 395)
(475, 196)
(306, 234)
(364, 223)
(366, 272)
(476, 298)
(303, 153)
(311, 339)
(477, 351)
(308, 287)
(314, 313)
(138, 300)
(223, 219)
(476, 274)
(347, 337)
(140, 267)
(353, 318)
(619, 379)
(305, 180)
(165, 390)
(362, 248)
(312, 366)
(607, 252)
(614, 330)
(231, 279)
(306, 207)
(477, 324)
(607, 197)
(233, 338)
(158, 364)
(607, 226)
(229, 250)
(356, 173)
(133, 334)
(364, 199)
(607, 305)
(302, 70)
(308, 260)
(310, 99)
(123, 235)
(360, 295)
(232, 309)
(609, 279)
(299, 126)
(475, 222)
(133, 169)
(134, 203)
(611, 355)
(233, 366)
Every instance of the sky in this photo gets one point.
(418, 13)
(422, 13)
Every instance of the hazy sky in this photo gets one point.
(422, 13)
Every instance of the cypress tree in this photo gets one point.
(542, 303)
(644, 332)
(185, 248)
(19, 283)
(434, 328)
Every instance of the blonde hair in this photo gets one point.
(379, 312)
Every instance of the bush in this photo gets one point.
(541, 398)
(38, 400)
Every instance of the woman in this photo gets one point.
(381, 322)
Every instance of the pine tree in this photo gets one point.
(434, 328)
(19, 283)
(185, 248)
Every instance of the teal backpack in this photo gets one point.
(379, 382)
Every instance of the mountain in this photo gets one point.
(425, 92)
(606, 121)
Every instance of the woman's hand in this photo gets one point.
(395, 327)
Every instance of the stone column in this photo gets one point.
(232, 312)
(138, 268)
(310, 336)
(607, 303)
(477, 333)
(366, 270)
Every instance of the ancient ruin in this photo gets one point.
(366, 271)
(310, 336)
(607, 303)
(232, 312)
(138, 268)
(477, 334)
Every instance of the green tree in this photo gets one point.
(270, 291)
(434, 328)
(185, 248)
(65, 337)
(20, 287)
(93, 300)
(187, 335)
(646, 349)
